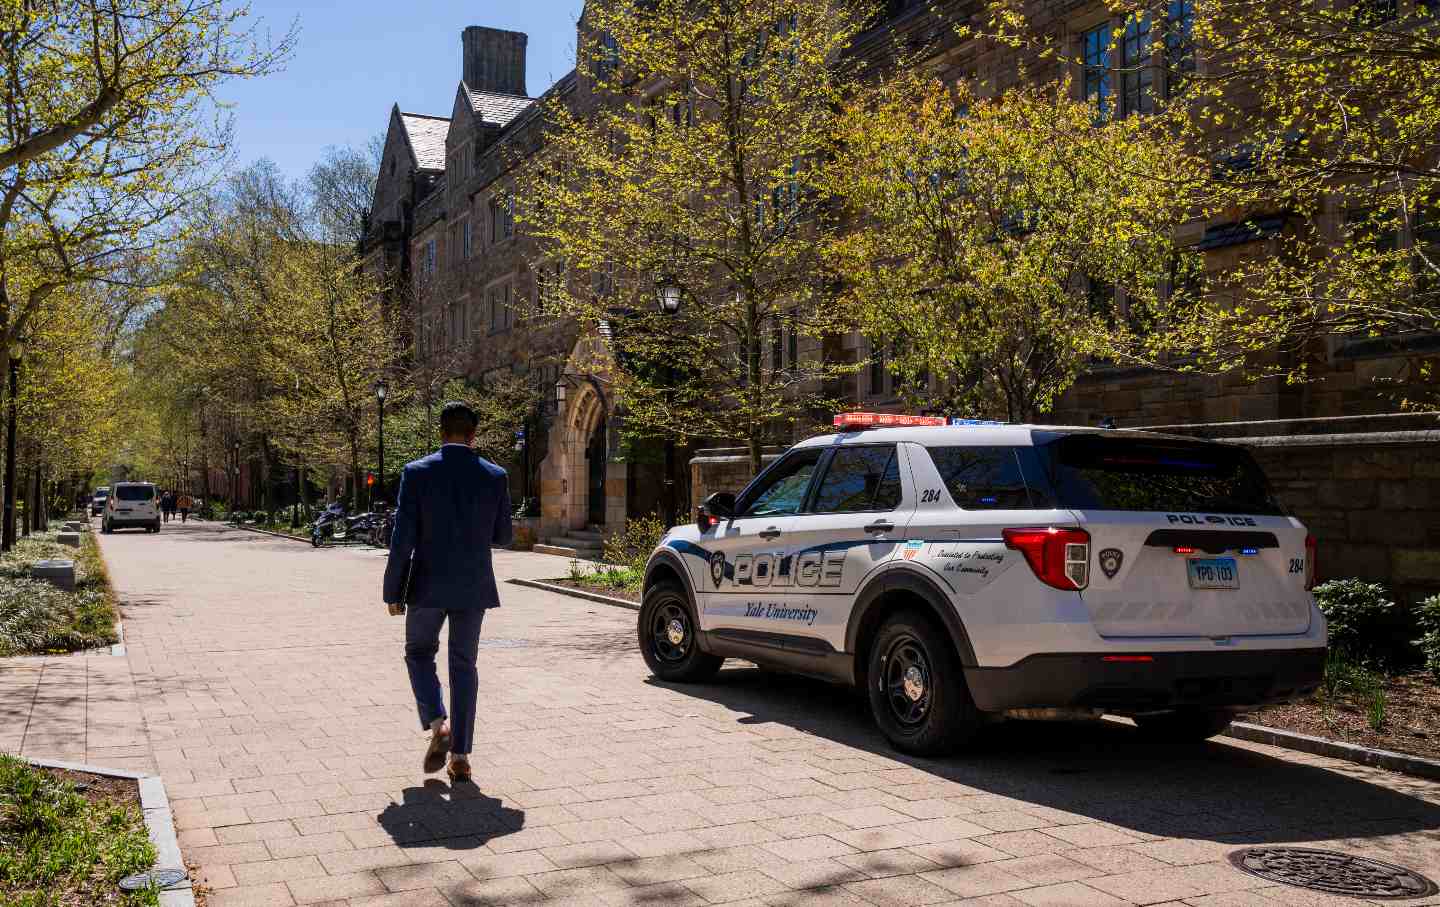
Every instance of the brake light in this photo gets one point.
(1058, 557)
(1310, 572)
(1184, 549)
(1135, 659)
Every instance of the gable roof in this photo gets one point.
(426, 135)
(494, 108)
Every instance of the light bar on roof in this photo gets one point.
(884, 420)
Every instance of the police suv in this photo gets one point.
(961, 573)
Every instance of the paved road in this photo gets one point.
(276, 706)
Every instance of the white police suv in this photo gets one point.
(961, 573)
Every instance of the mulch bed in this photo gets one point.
(629, 595)
(100, 787)
(1412, 718)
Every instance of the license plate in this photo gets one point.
(1213, 573)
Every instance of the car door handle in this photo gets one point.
(770, 533)
(880, 526)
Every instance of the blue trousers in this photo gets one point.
(422, 641)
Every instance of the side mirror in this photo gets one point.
(719, 506)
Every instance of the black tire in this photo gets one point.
(666, 615)
(1183, 725)
(917, 689)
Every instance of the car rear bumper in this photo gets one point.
(1170, 680)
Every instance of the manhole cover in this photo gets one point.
(1337, 873)
(160, 878)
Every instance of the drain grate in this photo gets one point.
(160, 878)
(1336, 873)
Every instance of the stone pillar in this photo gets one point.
(494, 60)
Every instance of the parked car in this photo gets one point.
(960, 574)
(130, 505)
(97, 501)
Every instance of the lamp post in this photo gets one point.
(295, 508)
(380, 390)
(235, 477)
(7, 533)
(668, 295)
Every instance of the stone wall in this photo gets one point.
(721, 469)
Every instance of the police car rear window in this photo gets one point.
(986, 478)
(1089, 472)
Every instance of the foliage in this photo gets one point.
(1427, 615)
(615, 579)
(1346, 677)
(57, 846)
(37, 617)
(1007, 243)
(716, 182)
(107, 117)
(632, 546)
(1360, 616)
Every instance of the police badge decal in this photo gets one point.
(1110, 561)
(717, 568)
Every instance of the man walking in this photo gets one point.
(185, 502)
(452, 507)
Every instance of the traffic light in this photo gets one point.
(369, 479)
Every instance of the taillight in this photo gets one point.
(1310, 572)
(1058, 557)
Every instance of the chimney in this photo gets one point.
(494, 60)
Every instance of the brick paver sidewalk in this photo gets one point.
(276, 706)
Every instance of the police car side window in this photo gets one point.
(859, 480)
(983, 478)
(782, 490)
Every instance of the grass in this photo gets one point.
(603, 576)
(38, 618)
(58, 847)
(1348, 676)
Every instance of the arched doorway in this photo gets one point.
(596, 461)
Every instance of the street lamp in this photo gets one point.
(559, 395)
(235, 480)
(7, 532)
(668, 293)
(380, 390)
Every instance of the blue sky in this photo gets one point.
(353, 60)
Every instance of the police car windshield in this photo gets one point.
(1091, 472)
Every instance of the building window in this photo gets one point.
(502, 314)
(607, 56)
(428, 258)
(466, 238)
(877, 369)
(794, 350)
(1096, 82)
(1179, 45)
(777, 349)
(502, 218)
(1137, 80)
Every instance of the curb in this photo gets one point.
(155, 807)
(575, 593)
(278, 535)
(1349, 752)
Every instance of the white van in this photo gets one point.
(132, 504)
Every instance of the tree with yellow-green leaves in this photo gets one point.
(1004, 244)
(1327, 116)
(106, 118)
(702, 171)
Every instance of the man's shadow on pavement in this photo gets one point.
(458, 817)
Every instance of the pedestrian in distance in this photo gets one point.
(185, 503)
(453, 506)
(167, 505)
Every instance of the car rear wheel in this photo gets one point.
(917, 689)
(1183, 725)
(667, 631)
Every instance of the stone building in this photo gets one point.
(443, 232)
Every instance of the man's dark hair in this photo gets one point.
(457, 420)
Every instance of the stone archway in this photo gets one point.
(580, 484)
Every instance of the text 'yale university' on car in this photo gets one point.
(962, 571)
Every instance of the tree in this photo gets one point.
(702, 164)
(104, 120)
(1004, 244)
(1322, 118)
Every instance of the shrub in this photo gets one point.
(1427, 615)
(631, 546)
(1362, 619)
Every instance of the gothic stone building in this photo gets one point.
(444, 235)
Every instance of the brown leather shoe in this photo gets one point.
(436, 752)
(459, 771)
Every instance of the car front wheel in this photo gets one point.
(668, 641)
(917, 689)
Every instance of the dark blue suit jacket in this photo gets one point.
(452, 507)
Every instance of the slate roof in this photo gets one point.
(427, 138)
(498, 109)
